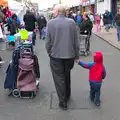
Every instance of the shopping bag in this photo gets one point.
(11, 38)
(23, 34)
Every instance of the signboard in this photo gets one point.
(85, 2)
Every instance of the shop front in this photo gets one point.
(115, 6)
(88, 6)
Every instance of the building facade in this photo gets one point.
(88, 5)
(115, 6)
(103, 5)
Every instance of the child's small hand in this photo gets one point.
(77, 60)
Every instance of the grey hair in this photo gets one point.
(61, 8)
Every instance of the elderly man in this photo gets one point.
(62, 47)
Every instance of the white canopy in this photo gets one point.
(15, 6)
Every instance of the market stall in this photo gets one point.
(4, 3)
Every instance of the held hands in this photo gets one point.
(77, 60)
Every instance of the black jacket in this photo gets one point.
(107, 17)
(86, 25)
(70, 16)
(41, 22)
(29, 20)
(117, 19)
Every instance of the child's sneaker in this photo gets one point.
(97, 104)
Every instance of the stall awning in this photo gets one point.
(4, 3)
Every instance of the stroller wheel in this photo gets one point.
(16, 93)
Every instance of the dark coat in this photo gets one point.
(29, 20)
(86, 25)
(41, 22)
(117, 19)
(70, 16)
(107, 17)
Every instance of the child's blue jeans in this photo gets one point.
(95, 92)
(118, 32)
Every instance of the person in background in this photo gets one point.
(41, 23)
(16, 18)
(117, 21)
(7, 12)
(86, 27)
(97, 23)
(74, 14)
(13, 24)
(78, 18)
(62, 46)
(86, 24)
(68, 14)
(29, 19)
(91, 17)
(107, 18)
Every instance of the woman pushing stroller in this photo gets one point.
(86, 28)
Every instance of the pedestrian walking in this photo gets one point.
(91, 17)
(62, 47)
(86, 24)
(117, 20)
(41, 24)
(107, 17)
(68, 14)
(78, 18)
(29, 19)
(97, 73)
(97, 23)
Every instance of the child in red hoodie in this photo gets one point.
(97, 73)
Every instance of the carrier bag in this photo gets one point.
(11, 76)
(26, 80)
(12, 70)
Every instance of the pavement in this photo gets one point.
(110, 37)
(44, 106)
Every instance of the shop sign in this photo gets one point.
(85, 2)
(92, 1)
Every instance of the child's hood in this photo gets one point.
(98, 57)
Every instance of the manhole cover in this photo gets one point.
(80, 101)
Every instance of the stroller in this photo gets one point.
(22, 73)
(85, 42)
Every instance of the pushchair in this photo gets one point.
(85, 42)
(21, 74)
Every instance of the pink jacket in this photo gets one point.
(97, 19)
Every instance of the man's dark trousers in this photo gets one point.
(61, 69)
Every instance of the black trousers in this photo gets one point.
(61, 71)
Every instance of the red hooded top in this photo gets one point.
(97, 70)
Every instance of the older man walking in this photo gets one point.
(62, 47)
